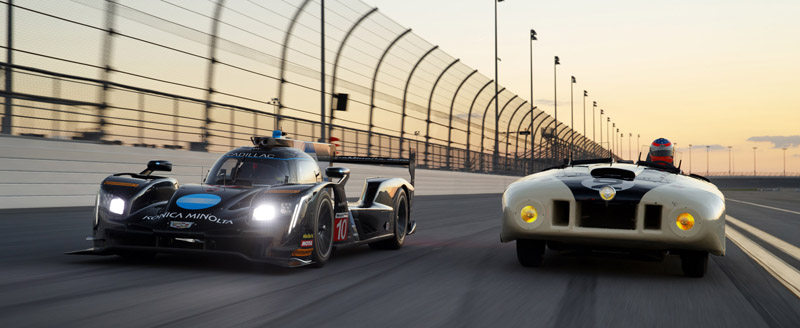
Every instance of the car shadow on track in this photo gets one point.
(224, 264)
(610, 264)
(189, 263)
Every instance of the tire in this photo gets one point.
(323, 231)
(400, 220)
(694, 264)
(530, 253)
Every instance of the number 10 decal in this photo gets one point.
(341, 229)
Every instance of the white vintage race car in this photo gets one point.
(604, 205)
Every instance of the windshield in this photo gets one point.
(248, 167)
(244, 171)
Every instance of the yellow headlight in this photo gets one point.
(528, 214)
(685, 221)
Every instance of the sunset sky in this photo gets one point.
(719, 73)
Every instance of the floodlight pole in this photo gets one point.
(533, 38)
(729, 161)
(556, 62)
(322, 74)
(784, 161)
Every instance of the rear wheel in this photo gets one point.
(530, 253)
(694, 263)
(323, 231)
(400, 219)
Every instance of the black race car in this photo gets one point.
(265, 203)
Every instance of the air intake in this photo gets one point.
(652, 217)
(613, 173)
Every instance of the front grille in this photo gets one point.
(593, 214)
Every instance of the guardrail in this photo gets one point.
(37, 172)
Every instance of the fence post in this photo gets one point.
(374, 81)
(450, 124)
(469, 122)
(483, 120)
(212, 53)
(111, 8)
(405, 95)
(175, 113)
(430, 101)
(9, 112)
(284, 50)
(508, 128)
(336, 62)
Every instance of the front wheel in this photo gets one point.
(694, 264)
(400, 218)
(323, 231)
(530, 253)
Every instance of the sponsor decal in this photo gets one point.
(341, 215)
(198, 201)
(308, 235)
(122, 184)
(302, 252)
(340, 229)
(306, 243)
(255, 155)
(180, 224)
(281, 191)
(193, 216)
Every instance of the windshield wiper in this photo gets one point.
(670, 169)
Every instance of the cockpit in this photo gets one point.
(248, 166)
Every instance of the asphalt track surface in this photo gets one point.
(453, 272)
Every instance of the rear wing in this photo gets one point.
(410, 161)
(325, 152)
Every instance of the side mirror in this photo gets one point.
(337, 172)
(159, 166)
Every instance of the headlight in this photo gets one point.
(529, 214)
(685, 221)
(117, 205)
(263, 213)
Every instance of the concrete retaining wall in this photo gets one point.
(54, 173)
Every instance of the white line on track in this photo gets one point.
(787, 248)
(764, 206)
(784, 273)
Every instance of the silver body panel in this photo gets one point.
(674, 193)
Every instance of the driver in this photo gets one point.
(661, 150)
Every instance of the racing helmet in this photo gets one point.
(661, 150)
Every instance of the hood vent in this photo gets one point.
(613, 173)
